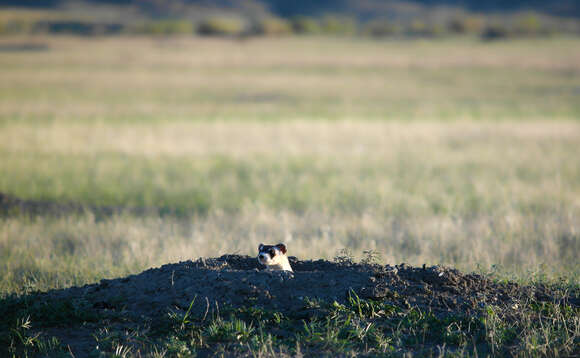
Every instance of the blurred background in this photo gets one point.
(137, 133)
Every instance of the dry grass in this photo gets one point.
(47, 253)
(143, 79)
(240, 139)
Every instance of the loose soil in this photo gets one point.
(239, 281)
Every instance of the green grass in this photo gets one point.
(404, 183)
(360, 326)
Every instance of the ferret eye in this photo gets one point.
(271, 252)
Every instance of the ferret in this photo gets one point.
(274, 257)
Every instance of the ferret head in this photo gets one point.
(272, 255)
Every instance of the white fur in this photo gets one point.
(277, 263)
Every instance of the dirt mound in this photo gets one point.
(233, 280)
(83, 317)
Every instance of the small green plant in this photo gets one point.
(47, 346)
(122, 351)
(186, 321)
(24, 343)
(20, 335)
(175, 346)
(233, 330)
(328, 334)
(368, 308)
(497, 331)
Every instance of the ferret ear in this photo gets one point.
(282, 248)
(260, 247)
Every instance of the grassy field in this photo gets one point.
(134, 79)
(452, 152)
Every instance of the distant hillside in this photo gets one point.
(371, 8)
(490, 20)
(362, 9)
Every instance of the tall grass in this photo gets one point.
(465, 194)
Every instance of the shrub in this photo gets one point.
(338, 25)
(420, 28)
(221, 25)
(417, 27)
(15, 26)
(436, 30)
(494, 32)
(466, 24)
(381, 28)
(67, 27)
(273, 26)
(528, 24)
(165, 27)
(305, 25)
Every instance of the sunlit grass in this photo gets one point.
(394, 169)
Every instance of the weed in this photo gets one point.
(234, 330)
(22, 342)
(344, 256)
(371, 257)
